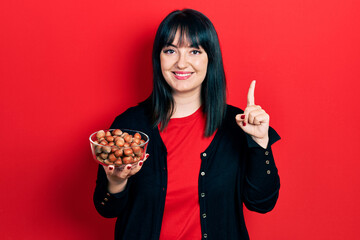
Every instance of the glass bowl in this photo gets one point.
(118, 147)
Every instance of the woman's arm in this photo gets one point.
(262, 182)
(113, 183)
(106, 203)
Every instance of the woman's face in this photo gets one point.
(183, 67)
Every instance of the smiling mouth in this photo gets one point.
(182, 74)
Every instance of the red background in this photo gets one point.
(69, 67)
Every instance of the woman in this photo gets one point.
(206, 158)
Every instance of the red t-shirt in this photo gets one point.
(184, 140)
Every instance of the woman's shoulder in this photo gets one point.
(134, 117)
(232, 111)
(229, 122)
(229, 128)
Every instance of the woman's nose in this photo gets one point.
(182, 61)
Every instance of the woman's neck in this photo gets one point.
(186, 104)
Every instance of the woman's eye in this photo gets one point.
(168, 51)
(195, 52)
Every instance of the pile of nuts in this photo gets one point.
(116, 147)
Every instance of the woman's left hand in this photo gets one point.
(254, 121)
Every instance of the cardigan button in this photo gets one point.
(266, 153)
(204, 215)
(106, 199)
(202, 173)
(268, 171)
(267, 162)
(205, 235)
(202, 194)
(204, 154)
(102, 203)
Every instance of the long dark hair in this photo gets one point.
(199, 31)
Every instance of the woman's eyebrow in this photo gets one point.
(175, 46)
(171, 45)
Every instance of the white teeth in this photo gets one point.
(182, 75)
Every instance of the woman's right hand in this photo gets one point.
(118, 176)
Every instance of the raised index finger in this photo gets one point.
(250, 96)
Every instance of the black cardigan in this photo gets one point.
(234, 170)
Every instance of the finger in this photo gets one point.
(242, 123)
(146, 157)
(253, 114)
(250, 109)
(109, 170)
(251, 94)
(124, 172)
(136, 167)
(261, 118)
(239, 118)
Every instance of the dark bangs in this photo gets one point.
(187, 35)
(197, 30)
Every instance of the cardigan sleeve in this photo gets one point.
(262, 182)
(107, 204)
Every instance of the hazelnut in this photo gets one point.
(107, 162)
(127, 160)
(120, 142)
(128, 138)
(100, 134)
(112, 157)
(137, 135)
(109, 138)
(140, 153)
(136, 140)
(124, 134)
(98, 149)
(136, 150)
(106, 149)
(117, 132)
(128, 151)
(118, 161)
(118, 153)
(99, 159)
(104, 155)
